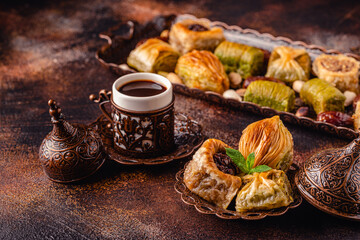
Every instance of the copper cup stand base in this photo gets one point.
(187, 134)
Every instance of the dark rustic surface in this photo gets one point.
(47, 51)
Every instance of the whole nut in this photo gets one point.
(302, 112)
(231, 94)
(357, 98)
(174, 78)
(350, 96)
(297, 85)
(235, 80)
(241, 92)
(165, 34)
(356, 118)
(125, 67)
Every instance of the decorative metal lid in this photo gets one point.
(70, 152)
(330, 181)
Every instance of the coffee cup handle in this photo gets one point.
(104, 97)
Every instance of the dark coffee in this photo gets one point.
(141, 88)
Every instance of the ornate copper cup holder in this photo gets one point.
(187, 133)
(205, 207)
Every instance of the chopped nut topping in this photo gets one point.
(197, 28)
(336, 65)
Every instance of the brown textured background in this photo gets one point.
(47, 51)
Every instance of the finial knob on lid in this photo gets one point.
(70, 152)
(54, 110)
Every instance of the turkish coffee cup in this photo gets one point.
(142, 115)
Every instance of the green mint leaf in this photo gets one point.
(248, 168)
(245, 166)
(260, 168)
(234, 154)
(251, 160)
(237, 158)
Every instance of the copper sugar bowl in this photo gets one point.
(70, 152)
(330, 181)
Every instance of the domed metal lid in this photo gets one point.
(70, 152)
(330, 181)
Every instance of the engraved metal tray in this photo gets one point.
(124, 37)
(205, 207)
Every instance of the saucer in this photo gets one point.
(205, 207)
(187, 134)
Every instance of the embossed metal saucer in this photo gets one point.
(330, 181)
(188, 138)
(205, 207)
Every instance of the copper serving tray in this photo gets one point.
(205, 207)
(123, 38)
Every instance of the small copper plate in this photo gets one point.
(205, 207)
(187, 135)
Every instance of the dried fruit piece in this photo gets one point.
(337, 118)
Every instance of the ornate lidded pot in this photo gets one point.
(70, 152)
(330, 181)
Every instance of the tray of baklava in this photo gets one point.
(304, 84)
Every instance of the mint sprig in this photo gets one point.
(246, 166)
